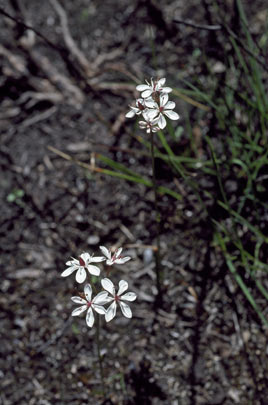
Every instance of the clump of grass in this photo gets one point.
(236, 145)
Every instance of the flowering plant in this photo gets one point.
(153, 106)
(97, 304)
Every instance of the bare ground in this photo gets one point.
(206, 345)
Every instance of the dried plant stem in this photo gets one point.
(158, 270)
(99, 356)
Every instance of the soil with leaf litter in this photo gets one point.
(205, 345)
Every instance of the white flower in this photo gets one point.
(116, 258)
(117, 298)
(87, 304)
(164, 107)
(81, 265)
(140, 107)
(155, 86)
(149, 123)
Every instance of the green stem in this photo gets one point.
(158, 271)
(99, 356)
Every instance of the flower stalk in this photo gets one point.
(158, 269)
(100, 358)
(154, 107)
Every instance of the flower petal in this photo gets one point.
(151, 114)
(108, 286)
(80, 275)
(163, 99)
(118, 252)
(88, 292)
(162, 121)
(170, 105)
(142, 124)
(72, 262)
(155, 129)
(129, 296)
(78, 300)
(125, 308)
(93, 270)
(90, 317)
(161, 82)
(142, 87)
(102, 298)
(106, 252)
(166, 90)
(147, 93)
(122, 260)
(99, 308)
(171, 114)
(79, 310)
(110, 312)
(86, 257)
(109, 262)
(96, 259)
(68, 271)
(123, 286)
(130, 114)
(150, 103)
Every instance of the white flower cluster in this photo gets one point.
(153, 106)
(89, 304)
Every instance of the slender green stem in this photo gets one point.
(158, 270)
(99, 356)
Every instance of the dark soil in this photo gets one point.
(206, 344)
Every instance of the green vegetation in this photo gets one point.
(232, 154)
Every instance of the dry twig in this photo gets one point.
(69, 41)
(28, 27)
(72, 93)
